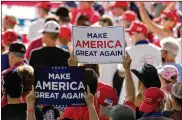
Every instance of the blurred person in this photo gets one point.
(37, 43)
(105, 21)
(99, 8)
(12, 90)
(122, 112)
(169, 21)
(176, 112)
(169, 51)
(126, 20)
(179, 56)
(9, 22)
(16, 55)
(147, 77)
(65, 36)
(43, 9)
(117, 10)
(64, 17)
(27, 74)
(50, 55)
(8, 38)
(153, 104)
(83, 20)
(141, 51)
(82, 113)
(86, 8)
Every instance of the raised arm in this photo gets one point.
(151, 25)
(129, 86)
(170, 6)
(89, 98)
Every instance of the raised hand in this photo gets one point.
(139, 4)
(72, 61)
(89, 98)
(127, 61)
(31, 96)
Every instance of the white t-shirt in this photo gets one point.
(34, 29)
(140, 54)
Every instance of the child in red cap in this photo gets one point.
(9, 22)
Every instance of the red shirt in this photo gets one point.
(93, 15)
(33, 45)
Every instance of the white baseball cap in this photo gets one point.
(177, 90)
(51, 27)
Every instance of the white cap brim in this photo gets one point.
(50, 31)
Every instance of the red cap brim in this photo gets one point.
(147, 108)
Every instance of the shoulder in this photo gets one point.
(168, 114)
(63, 50)
(154, 46)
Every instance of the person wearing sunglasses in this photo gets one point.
(170, 18)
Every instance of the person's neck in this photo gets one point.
(16, 61)
(51, 44)
(170, 60)
(14, 100)
(44, 16)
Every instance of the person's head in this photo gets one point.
(91, 80)
(85, 4)
(137, 31)
(51, 18)
(177, 94)
(169, 49)
(106, 97)
(122, 112)
(94, 67)
(16, 53)
(148, 77)
(83, 20)
(9, 22)
(63, 14)
(170, 19)
(153, 100)
(65, 35)
(105, 21)
(119, 8)
(12, 86)
(43, 8)
(9, 37)
(50, 33)
(27, 74)
(127, 18)
(168, 74)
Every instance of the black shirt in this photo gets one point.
(175, 115)
(18, 112)
(49, 56)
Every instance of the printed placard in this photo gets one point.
(60, 86)
(98, 45)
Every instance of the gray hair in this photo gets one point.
(18, 54)
(170, 44)
(122, 112)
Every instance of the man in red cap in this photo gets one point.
(65, 36)
(153, 104)
(8, 38)
(86, 9)
(117, 10)
(43, 9)
(170, 18)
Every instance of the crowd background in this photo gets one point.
(39, 34)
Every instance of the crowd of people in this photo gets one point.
(146, 85)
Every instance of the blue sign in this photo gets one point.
(60, 86)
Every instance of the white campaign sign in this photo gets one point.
(98, 45)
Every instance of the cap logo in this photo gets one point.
(139, 29)
(108, 101)
(147, 99)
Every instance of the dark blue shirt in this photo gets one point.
(5, 62)
(142, 42)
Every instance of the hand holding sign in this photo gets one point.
(31, 96)
(89, 98)
(127, 61)
(139, 4)
(72, 61)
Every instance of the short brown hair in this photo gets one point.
(27, 74)
(52, 36)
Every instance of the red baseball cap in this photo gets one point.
(65, 32)
(120, 4)
(137, 27)
(10, 20)
(46, 5)
(172, 14)
(152, 97)
(107, 95)
(9, 37)
(129, 16)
